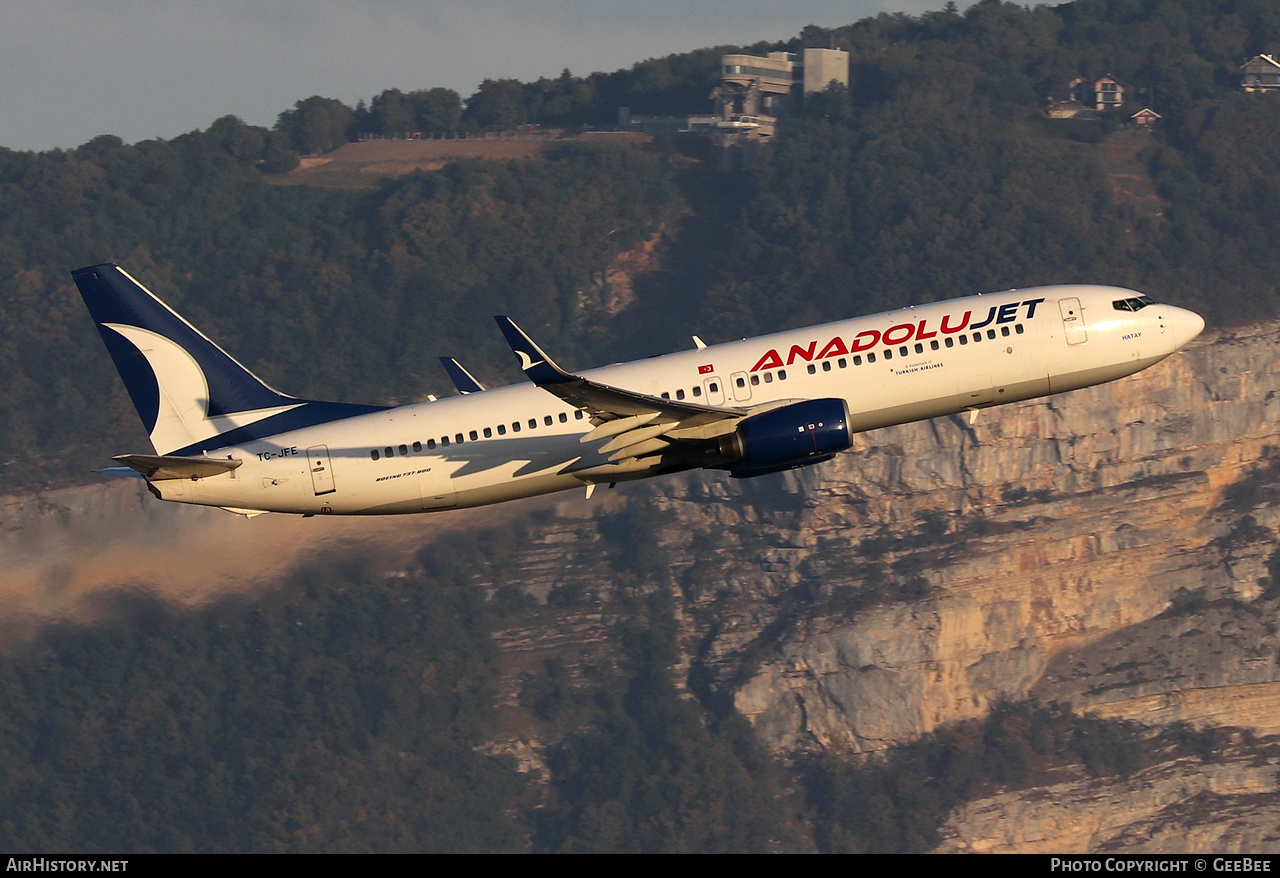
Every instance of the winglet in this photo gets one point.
(461, 378)
(539, 368)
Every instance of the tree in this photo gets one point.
(497, 104)
(317, 124)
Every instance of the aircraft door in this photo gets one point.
(741, 386)
(714, 390)
(321, 469)
(1073, 320)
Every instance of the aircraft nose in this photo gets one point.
(1184, 325)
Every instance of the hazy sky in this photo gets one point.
(73, 69)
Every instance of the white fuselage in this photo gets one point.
(910, 364)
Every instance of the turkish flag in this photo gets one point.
(706, 370)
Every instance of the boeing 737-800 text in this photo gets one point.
(224, 438)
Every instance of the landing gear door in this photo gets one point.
(1073, 320)
(321, 469)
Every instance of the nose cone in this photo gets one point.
(1184, 325)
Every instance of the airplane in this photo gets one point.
(222, 437)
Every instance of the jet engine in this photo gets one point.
(788, 437)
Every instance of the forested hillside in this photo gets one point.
(935, 175)
(346, 711)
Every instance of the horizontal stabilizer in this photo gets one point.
(158, 467)
(122, 472)
(244, 513)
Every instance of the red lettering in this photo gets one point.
(948, 329)
(873, 339)
(834, 348)
(770, 360)
(804, 353)
(921, 335)
(910, 330)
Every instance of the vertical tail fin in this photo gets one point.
(186, 389)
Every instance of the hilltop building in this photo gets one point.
(754, 92)
(1260, 73)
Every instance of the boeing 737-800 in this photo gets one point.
(222, 437)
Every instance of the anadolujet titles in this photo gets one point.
(222, 437)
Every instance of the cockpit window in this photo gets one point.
(1137, 303)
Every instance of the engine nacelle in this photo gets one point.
(795, 435)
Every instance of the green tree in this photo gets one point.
(316, 125)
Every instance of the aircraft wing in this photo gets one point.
(160, 466)
(635, 423)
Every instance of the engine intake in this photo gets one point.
(795, 435)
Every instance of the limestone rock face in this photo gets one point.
(1179, 806)
(1044, 543)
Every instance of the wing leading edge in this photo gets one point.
(635, 424)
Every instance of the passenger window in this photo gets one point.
(741, 382)
(782, 374)
(533, 423)
(680, 394)
(564, 419)
(902, 351)
(933, 345)
(826, 365)
(888, 354)
(417, 446)
(857, 359)
(920, 348)
(374, 454)
(488, 432)
(404, 450)
(842, 363)
(666, 395)
(950, 342)
(991, 333)
(768, 377)
(713, 387)
(547, 420)
(515, 427)
(755, 380)
(577, 415)
(502, 429)
(977, 336)
(431, 443)
(1004, 330)
(871, 357)
(458, 438)
(389, 451)
(473, 435)
(444, 441)
(697, 391)
(964, 339)
(1018, 329)
(813, 370)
